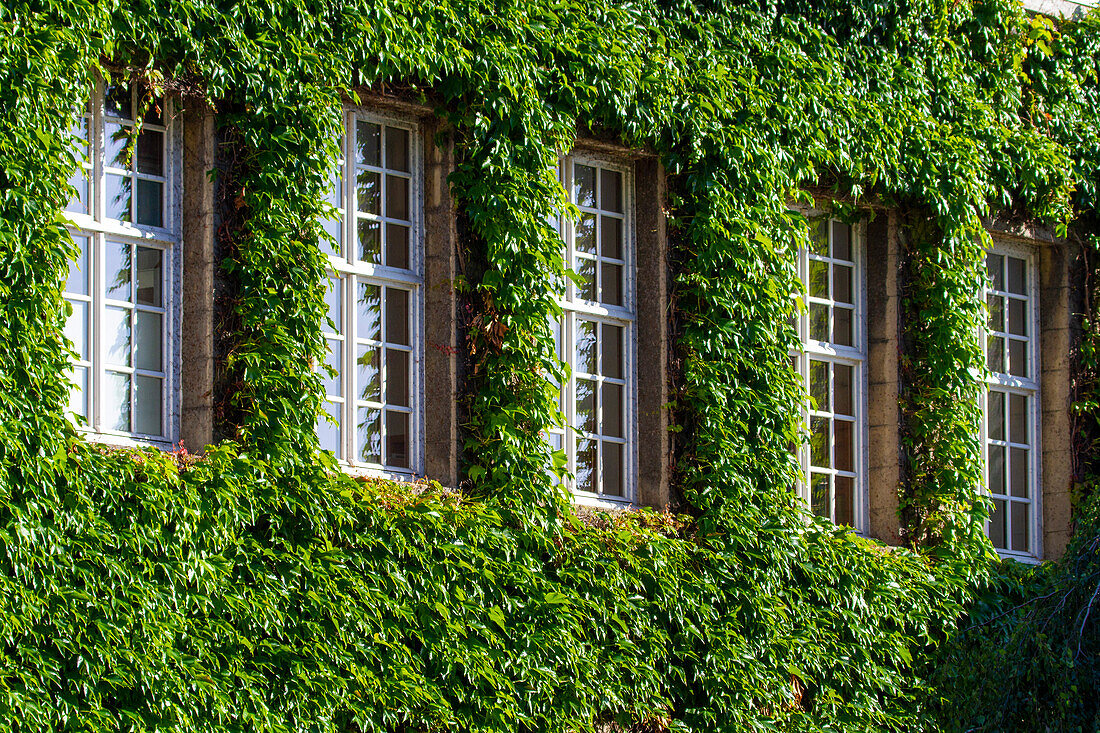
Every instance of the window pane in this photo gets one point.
(844, 445)
(368, 188)
(844, 487)
(994, 265)
(819, 322)
(586, 465)
(585, 340)
(613, 479)
(149, 403)
(613, 363)
(77, 281)
(329, 432)
(397, 197)
(117, 193)
(116, 334)
(370, 312)
(611, 237)
(334, 302)
(842, 241)
(1018, 416)
(613, 410)
(150, 152)
(842, 284)
(1021, 526)
(397, 246)
(1019, 472)
(611, 191)
(585, 415)
(76, 329)
(819, 384)
(843, 387)
(584, 237)
(118, 270)
(612, 283)
(334, 358)
(117, 101)
(369, 374)
(397, 316)
(397, 439)
(150, 211)
(367, 143)
(118, 142)
(586, 268)
(819, 238)
(370, 241)
(819, 279)
(116, 401)
(819, 442)
(996, 312)
(150, 277)
(1017, 275)
(78, 204)
(78, 395)
(149, 341)
(1017, 358)
(584, 185)
(842, 326)
(995, 415)
(397, 149)
(995, 356)
(819, 495)
(997, 525)
(1017, 317)
(996, 469)
(397, 377)
(369, 435)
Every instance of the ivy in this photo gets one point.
(257, 588)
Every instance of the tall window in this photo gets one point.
(121, 286)
(596, 333)
(1012, 400)
(831, 365)
(374, 299)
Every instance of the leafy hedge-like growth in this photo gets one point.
(258, 590)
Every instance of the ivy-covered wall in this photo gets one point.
(260, 589)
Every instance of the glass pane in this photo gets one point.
(996, 312)
(613, 410)
(149, 338)
(117, 192)
(397, 197)
(584, 185)
(368, 189)
(397, 439)
(1017, 358)
(335, 229)
(118, 270)
(611, 191)
(397, 246)
(842, 241)
(586, 465)
(996, 469)
(995, 415)
(997, 520)
(370, 312)
(116, 401)
(367, 143)
(585, 416)
(370, 241)
(116, 334)
(78, 204)
(150, 153)
(994, 265)
(148, 402)
(397, 377)
(585, 342)
(77, 281)
(613, 365)
(995, 355)
(844, 447)
(1018, 472)
(1018, 418)
(150, 278)
(587, 270)
(153, 114)
(1021, 526)
(78, 395)
(819, 442)
(76, 329)
(843, 487)
(334, 359)
(329, 433)
(842, 284)
(369, 435)
(842, 326)
(819, 495)
(397, 149)
(819, 322)
(397, 316)
(369, 374)
(613, 479)
(334, 302)
(819, 238)
(584, 237)
(1017, 317)
(1017, 275)
(612, 283)
(843, 380)
(819, 279)
(119, 146)
(611, 237)
(150, 211)
(117, 102)
(819, 385)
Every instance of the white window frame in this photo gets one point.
(854, 356)
(625, 316)
(168, 239)
(1029, 387)
(346, 267)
